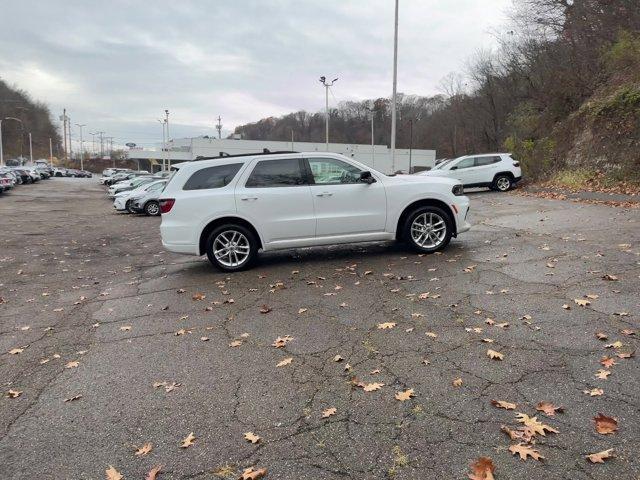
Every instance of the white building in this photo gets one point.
(378, 157)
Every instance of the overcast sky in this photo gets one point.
(116, 65)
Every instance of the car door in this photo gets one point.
(343, 204)
(485, 169)
(275, 197)
(463, 170)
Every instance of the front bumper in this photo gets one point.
(120, 204)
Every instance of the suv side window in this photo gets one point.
(330, 171)
(212, 177)
(466, 163)
(285, 172)
(483, 161)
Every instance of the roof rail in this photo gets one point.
(265, 151)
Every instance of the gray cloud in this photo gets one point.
(116, 65)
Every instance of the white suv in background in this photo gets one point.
(498, 171)
(230, 207)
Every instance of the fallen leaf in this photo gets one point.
(549, 408)
(607, 362)
(600, 457)
(302, 310)
(616, 344)
(252, 474)
(601, 336)
(386, 325)
(535, 426)
(457, 382)
(503, 404)
(371, 387)
(72, 364)
(281, 342)
(431, 334)
(525, 451)
(143, 450)
(594, 392)
(251, 437)
(494, 355)
(581, 302)
(265, 309)
(73, 399)
(181, 290)
(338, 358)
(625, 354)
(284, 362)
(609, 277)
(405, 395)
(603, 374)
(153, 473)
(16, 351)
(198, 296)
(125, 328)
(188, 441)
(605, 425)
(14, 393)
(113, 474)
(235, 343)
(329, 412)
(482, 469)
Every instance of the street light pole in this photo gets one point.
(166, 119)
(395, 85)
(80, 125)
(373, 155)
(50, 152)
(30, 149)
(323, 80)
(410, 142)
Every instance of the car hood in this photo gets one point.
(426, 179)
(434, 173)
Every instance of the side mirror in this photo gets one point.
(366, 177)
(453, 168)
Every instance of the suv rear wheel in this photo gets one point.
(232, 247)
(428, 229)
(502, 183)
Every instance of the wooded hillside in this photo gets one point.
(35, 117)
(563, 90)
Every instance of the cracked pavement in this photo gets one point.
(76, 272)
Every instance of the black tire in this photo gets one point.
(409, 239)
(127, 207)
(502, 183)
(152, 208)
(228, 229)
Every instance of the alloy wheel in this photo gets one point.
(231, 248)
(503, 184)
(428, 230)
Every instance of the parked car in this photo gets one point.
(35, 175)
(24, 175)
(123, 201)
(148, 200)
(8, 180)
(110, 172)
(230, 207)
(131, 184)
(5, 184)
(498, 171)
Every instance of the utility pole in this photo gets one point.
(395, 85)
(30, 149)
(64, 131)
(166, 120)
(410, 142)
(80, 125)
(50, 152)
(69, 130)
(373, 155)
(219, 127)
(323, 80)
(292, 139)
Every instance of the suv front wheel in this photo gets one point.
(232, 247)
(428, 229)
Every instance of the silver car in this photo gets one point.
(147, 200)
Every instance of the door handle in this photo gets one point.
(247, 199)
(324, 194)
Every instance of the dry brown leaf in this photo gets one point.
(338, 358)
(603, 374)
(386, 325)
(525, 451)
(14, 393)
(372, 387)
(549, 408)
(235, 343)
(188, 441)
(605, 425)
(113, 474)
(503, 404)
(73, 399)
(198, 296)
(609, 277)
(153, 473)
(143, 450)
(535, 426)
(600, 457)
(284, 362)
(581, 302)
(594, 392)
(521, 434)
(302, 310)
(73, 364)
(482, 469)
(405, 395)
(431, 334)
(625, 354)
(281, 342)
(607, 362)
(265, 309)
(16, 351)
(253, 474)
(601, 336)
(329, 412)
(251, 437)
(492, 354)
(457, 382)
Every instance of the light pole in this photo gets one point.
(164, 143)
(373, 155)
(30, 149)
(395, 84)
(166, 119)
(80, 125)
(323, 80)
(1, 150)
(50, 152)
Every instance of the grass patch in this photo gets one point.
(574, 179)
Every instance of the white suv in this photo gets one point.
(230, 207)
(498, 171)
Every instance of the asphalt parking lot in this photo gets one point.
(114, 344)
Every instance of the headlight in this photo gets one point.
(457, 190)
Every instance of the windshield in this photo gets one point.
(446, 162)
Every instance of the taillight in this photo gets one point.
(166, 204)
(516, 164)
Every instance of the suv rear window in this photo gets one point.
(212, 177)
(276, 173)
(482, 161)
